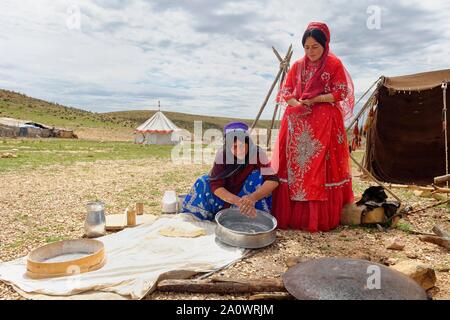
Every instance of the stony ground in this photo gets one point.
(47, 204)
(101, 134)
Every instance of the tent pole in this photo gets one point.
(266, 99)
(374, 179)
(269, 137)
(379, 82)
(277, 106)
(364, 108)
(444, 92)
(282, 68)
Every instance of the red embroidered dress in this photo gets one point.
(312, 154)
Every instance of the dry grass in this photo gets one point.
(103, 134)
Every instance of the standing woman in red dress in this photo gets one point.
(312, 155)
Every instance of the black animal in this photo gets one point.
(373, 194)
(375, 197)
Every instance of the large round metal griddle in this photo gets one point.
(349, 279)
(65, 258)
(238, 230)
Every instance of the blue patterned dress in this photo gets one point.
(202, 203)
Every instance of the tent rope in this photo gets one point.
(367, 172)
(444, 93)
(364, 108)
(368, 90)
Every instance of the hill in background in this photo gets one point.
(98, 126)
(182, 120)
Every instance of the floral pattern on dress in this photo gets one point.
(326, 76)
(303, 147)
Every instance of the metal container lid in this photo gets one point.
(349, 279)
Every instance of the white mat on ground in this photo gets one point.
(136, 259)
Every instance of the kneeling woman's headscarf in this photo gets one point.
(233, 132)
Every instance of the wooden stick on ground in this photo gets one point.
(272, 296)
(224, 286)
(442, 237)
(440, 241)
(433, 189)
(441, 232)
(418, 233)
(442, 179)
(429, 207)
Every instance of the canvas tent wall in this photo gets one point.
(160, 130)
(406, 139)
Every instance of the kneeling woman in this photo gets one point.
(241, 177)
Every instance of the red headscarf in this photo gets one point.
(315, 86)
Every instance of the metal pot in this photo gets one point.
(237, 230)
(95, 224)
(181, 198)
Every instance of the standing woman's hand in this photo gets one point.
(294, 102)
(307, 102)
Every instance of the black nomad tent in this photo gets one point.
(407, 128)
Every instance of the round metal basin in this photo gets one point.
(237, 230)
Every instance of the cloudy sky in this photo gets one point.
(202, 56)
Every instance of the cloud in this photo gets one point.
(112, 4)
(202, 56)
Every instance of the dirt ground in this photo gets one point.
(47, 204)
(101, 134)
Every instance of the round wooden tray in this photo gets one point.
(39, 265)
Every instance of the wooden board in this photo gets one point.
(117, 222)
(222, 285)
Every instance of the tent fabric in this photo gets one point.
(160, 130)
(155, 138)
(12, 122)
(10, 127)
(418, 82)
(406, 143)
(22, 123)
(159, 123)
(136, 259)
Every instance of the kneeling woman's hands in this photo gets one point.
(247, 206)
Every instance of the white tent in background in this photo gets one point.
(160, 130)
